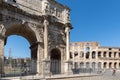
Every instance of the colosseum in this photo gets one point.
(92, 55)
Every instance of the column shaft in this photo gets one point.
(45, 39)
(67, 43)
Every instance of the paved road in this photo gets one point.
(105, 76)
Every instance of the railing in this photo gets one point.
(19, 67)
(87, 70)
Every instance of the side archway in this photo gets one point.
(28, 34)
(55, 57)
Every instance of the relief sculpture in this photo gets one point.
(2, 29)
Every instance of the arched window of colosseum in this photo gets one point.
(99, 54)
(110, 65)
(93, 55)
(110, 54)
(87, 49)
(71, 55)
(93, 65)
(105, 54)
(14, 1)
(87, 55)
(105, 65)
(87, 65)
(76, 54)
(119, 54)
(119, 65)
(81, 54)
(115, 65)
(76, 65)
(81, 65)
(99, 65)
(115, 53)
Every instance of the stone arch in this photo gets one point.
(119, 54)
(22, 30)
(99, 65)
(82, 65)
(87, 49)
(99, 54)
(115, 65)
(105, 65)
(55, 58)
(26, 32)
(110, 54)
(87, 55)
(93, 65)
(76, 65)
(115, 54)
(119, 65)
(105, 54)
(71, 55)
(75, 53)
(93, 55)
(29, 34)
(110, 65)
(87, 64)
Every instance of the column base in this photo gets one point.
(68, 67)
(46, 68)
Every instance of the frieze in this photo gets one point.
(56, 36)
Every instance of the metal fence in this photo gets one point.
(19, 67)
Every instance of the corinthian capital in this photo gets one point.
(67, 29)
(46, 22)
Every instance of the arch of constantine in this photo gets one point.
(45, 24)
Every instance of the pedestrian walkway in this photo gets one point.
(107, 75)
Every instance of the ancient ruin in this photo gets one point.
(46, 25)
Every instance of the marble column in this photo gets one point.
(46, 23)
(67, 63)
(46, 61)
(67, 43)
(39, 59)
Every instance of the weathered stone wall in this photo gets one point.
(91, 54)
(43, 23)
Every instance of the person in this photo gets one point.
(114, 71)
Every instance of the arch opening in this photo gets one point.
(87, 65)
(99, 65)
(93, 65)
(87, 55)
(105, 65)
(115, 65)
(110, 65)
(81, 65)
(105, 54)
(29, 35)
(99, 54)
(55, 57)
(93, 55)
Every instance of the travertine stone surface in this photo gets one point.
(92, 55)
(43, 24)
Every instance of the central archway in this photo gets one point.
(29, 35)
(55, 57)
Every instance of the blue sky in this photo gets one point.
(93, 20)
